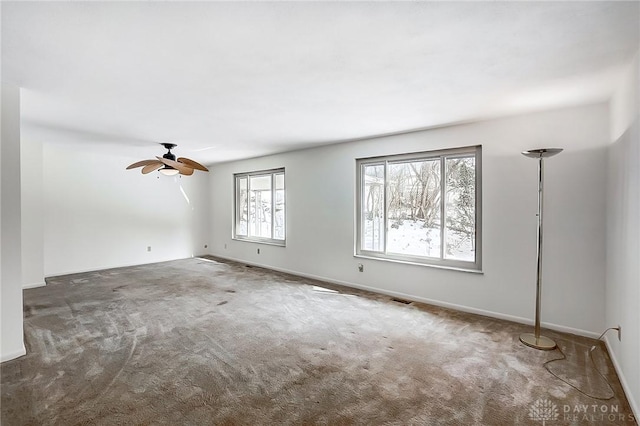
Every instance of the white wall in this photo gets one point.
(32, 209)
(320, 218)
(623, 233)
(98, 215)
(11, 340)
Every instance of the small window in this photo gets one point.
(260, 206)
(421, 208)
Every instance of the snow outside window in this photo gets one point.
(260, 206)
(421, 208)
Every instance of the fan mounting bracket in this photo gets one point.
(169, 145)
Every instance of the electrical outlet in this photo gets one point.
(225, 246)
(148, 248)
(360, 267)
(619, 333)
(258, 251)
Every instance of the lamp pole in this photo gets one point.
(535, 340)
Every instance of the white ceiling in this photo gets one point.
(235, 80)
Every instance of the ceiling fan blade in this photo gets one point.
(178, 166)
(187, 172)
(192, 164)
(140, 164)
(151, 167)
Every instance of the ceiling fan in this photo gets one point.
(170, 165)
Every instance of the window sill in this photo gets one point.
(428, 265)
(266, 242)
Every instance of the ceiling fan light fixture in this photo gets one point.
(168, 164)
(169, 171)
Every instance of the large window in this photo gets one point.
(421, 208)
(260, 206)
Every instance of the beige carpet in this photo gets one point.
(196, 342)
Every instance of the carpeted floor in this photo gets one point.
(204, 341)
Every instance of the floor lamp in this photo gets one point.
(535, 340)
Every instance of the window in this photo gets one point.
(260, 207)
(421, 208)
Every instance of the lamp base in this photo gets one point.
(540, 342)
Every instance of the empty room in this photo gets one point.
(265, 213)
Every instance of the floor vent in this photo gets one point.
(406, 302)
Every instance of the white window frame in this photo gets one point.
(237, 211)
(442, 262)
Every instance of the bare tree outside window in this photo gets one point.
(460, 208)
(413, 219)
(421, 207)
(373, 207)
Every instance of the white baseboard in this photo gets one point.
(34, 285)
(625, 386)
(127, 265)
(454, 306)
(13, 355)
